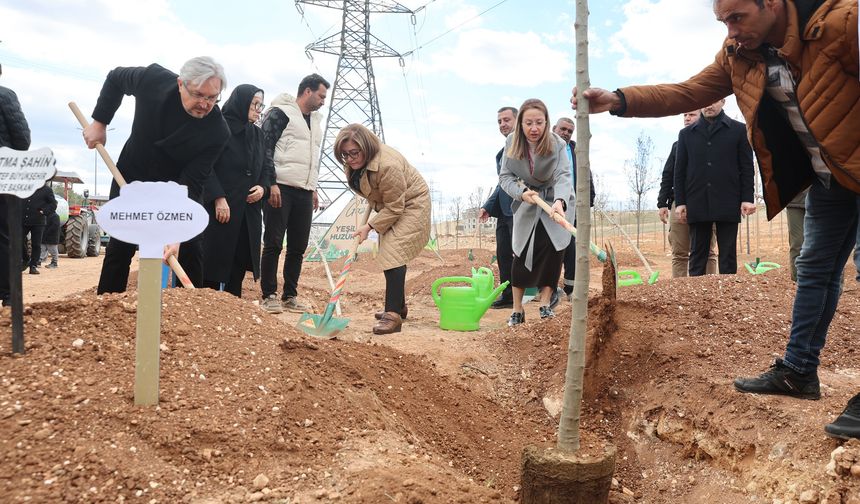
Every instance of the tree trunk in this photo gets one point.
(561, 475)
(568, 428)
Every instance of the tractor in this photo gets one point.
(80, 236)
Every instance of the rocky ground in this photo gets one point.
(251, 409)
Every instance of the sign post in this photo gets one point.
(152, 215)
(21, 174)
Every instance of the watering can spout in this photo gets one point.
(485, 303)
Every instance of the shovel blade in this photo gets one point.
(318, 326)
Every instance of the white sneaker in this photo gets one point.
(272, 304)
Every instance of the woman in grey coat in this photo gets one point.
(535, 165)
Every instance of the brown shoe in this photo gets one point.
(389, 323)
(403, 313)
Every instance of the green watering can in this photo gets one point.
(484, 280)
(460, 307)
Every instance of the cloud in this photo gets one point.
(501, 58)
(666, 39)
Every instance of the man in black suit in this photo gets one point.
(713, 185)
(177, 135)
(498, 205)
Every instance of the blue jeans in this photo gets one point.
(857, 254)
(830, 232)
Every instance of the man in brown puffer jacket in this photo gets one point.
(793, 66)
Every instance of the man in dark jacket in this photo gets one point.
(564, 128)
(36, 209)
(15, 134)
(713, 185)
(498, 205)
(177, 134)
(679, 233)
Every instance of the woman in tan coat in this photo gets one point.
(401, 198)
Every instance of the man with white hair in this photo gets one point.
(177, 135)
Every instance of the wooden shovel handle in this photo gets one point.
(120, 180)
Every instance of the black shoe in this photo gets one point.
(846, 425)
(782, 380)
(34, 270)
(554, 298)
(502, 303)
(5, 302)
(546, 312)
(517, 318)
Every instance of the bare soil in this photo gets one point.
(251, 409)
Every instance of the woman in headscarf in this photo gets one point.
(233, 195)
(401, 198)
(535, 165)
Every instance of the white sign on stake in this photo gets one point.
(152, 215)
(22, 172)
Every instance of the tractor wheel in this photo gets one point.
(94, 244)
(77, 237)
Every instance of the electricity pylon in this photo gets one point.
(353, 96)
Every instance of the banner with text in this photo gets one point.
(22, 172)
(337, 240)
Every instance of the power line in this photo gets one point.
(454, 28)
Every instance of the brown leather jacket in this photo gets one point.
(823, 56)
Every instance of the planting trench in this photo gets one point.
(252, 410)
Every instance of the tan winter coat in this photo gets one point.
(821, 49)
(401, 198)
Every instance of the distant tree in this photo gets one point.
(601, 202)
(475, 198)
(456, 211)
(641, 177)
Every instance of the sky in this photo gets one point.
(464, 60)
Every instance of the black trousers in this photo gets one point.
(727, 245)
(114, 276)
(505, 253)
(293, 218)
(32, 259)
(570, 266)
(4, 248)
(395, 289)
(241, 262)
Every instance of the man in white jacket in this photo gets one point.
(292, 136)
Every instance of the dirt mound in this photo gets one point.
(242, 394)
(660, 387)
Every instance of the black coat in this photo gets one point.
(166, 143)
(499, 202)
(38, 206)
(51, 235)
(666, 195)
(713, 170)
(14, 131)
(238, 169)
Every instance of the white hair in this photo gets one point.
(200, 69)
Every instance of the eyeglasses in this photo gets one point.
(258, 106)
(199, 97)
(353, 154)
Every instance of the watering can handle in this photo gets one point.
(444, 280)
